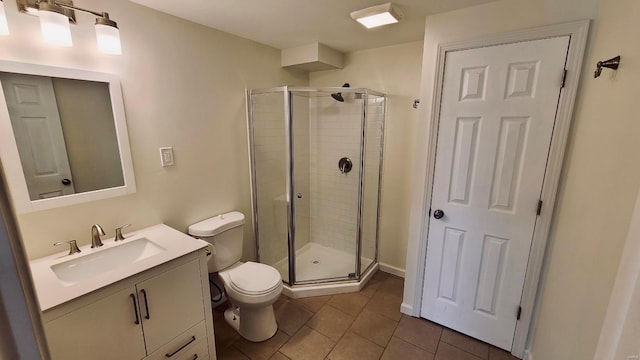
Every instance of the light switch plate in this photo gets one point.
(166, 156)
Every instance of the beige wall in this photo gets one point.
(629, 344)
(394, 70)
(183, 86)
(621, 329)
(597, 195)
(89, 133)
(599, 180)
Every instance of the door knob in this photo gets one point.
(66, 182)
(438, 214)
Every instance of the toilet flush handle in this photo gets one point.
(211, 250)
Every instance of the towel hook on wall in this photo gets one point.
(612, 63)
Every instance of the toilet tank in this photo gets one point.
(225, 233)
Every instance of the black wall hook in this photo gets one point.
(612, 63)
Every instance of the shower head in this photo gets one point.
(338, 96)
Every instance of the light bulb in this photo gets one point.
(4, 26)
(108, 38)
(55, 28)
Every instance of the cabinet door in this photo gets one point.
(170, 304)
(105, 329)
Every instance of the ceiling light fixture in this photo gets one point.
(379, 15)
(55, 16)
(4, 26)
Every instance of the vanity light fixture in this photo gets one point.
(379, 15)
(54, 24)
(4, 26)
(108, 35)
(55, 16)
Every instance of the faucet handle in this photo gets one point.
(73, 246)
(119, 236)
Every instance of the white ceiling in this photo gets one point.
(290, 23)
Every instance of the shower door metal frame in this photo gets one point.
(374, 261)
(363, 146)
(289, 159)
(252, 168)
(291, 234)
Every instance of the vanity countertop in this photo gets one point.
(52, 291)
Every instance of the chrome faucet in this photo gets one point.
(96, 231)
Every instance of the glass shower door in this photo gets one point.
(268, 136)
(326, 159)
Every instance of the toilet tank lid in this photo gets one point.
(217, 224)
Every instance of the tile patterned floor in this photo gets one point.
(365, 325)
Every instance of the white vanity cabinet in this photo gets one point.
(162, 313)
(104, 329)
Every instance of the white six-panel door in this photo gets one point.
(38, 131)
(496, 121)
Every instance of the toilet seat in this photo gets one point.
(253, 279)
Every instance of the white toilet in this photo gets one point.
(252, 288)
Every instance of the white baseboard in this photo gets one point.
(392, 270)
(407, 309)
(528, 355)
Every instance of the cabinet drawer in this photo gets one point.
(197, 352)
(184, 346)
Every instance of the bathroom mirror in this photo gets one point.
(63, 136)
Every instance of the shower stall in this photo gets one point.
(316, 165)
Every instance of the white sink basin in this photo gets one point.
(83, 266)
(59, 277)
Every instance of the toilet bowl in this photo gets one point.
(251, 287)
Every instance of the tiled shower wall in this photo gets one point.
(335, 132)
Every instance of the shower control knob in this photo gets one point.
(438, 214)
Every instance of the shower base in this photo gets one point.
(315, 262)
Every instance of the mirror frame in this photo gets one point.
(9, 149)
